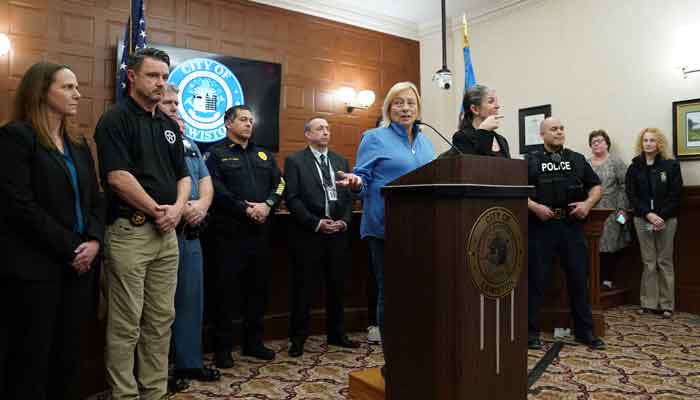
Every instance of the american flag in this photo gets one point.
(134, 39)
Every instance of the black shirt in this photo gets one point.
(238, 175)
(479, 141)
(146, 145)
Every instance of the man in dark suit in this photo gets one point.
(322, 213)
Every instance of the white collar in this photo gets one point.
(317, 153)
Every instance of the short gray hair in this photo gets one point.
(169, 87)
(307, 124)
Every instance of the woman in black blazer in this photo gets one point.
(51, 227)
(477, 132)
(653, 185)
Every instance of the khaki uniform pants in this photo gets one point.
(141, 277)
(657, 289)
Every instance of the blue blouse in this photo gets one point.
(79, 224)
(384, 155)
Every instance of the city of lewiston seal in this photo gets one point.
(207, 89)
(495, 252)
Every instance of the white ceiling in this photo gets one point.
(407, 18)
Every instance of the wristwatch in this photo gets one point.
(270, 203)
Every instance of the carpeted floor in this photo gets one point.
(647, 358)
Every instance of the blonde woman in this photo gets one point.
(653, 185)
(395, 148)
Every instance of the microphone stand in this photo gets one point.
(419, 122)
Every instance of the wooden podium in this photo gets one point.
(444, 339)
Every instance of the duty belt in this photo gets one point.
(560, 213)
(190, 232)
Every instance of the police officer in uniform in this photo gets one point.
(247, 187)
(189, 299)
(566, 188)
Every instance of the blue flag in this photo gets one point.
(134, 39)
(469, 77)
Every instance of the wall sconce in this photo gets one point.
(361, 100)
(4, 44)
(689, 70)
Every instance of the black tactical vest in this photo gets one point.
(558, 178)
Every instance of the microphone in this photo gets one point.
(419, 122)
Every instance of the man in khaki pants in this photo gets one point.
(142, 163)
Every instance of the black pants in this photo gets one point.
(241, 274)
(564, 239)
(317, 254)
(41, 335)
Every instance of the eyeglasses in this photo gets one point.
(398, 103)
(597, 141)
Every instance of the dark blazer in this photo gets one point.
(304, 193)
(478, 141)
(662, 181)
(37, 208)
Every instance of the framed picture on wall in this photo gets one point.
(686, 129)
(529, 120)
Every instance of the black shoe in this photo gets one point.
(260, 352)
(297, 348)
(593, 342)
(343, 341)
(177, 385)
(223, 359)
(534, 343)
(203, 374)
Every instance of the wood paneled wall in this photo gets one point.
(317, 56)
(687, 262)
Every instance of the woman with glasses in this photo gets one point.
(395, 148)
(611, 170)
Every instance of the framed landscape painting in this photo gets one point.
(686, 129)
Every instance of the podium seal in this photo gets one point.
(495, 252)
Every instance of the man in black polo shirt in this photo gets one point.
(142, 163)
(247, 186)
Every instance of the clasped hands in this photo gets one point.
(328, 226)
(258, 212)
(657, 223)
(85, 253)
(168, 217)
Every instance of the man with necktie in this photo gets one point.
(321, 213)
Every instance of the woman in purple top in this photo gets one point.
(394, 149)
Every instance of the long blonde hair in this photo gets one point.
(30, 104)
(661, 143)
(391, 95)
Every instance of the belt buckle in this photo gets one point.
(559, 213)
(138, 218)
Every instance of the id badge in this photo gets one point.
(332, 194)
